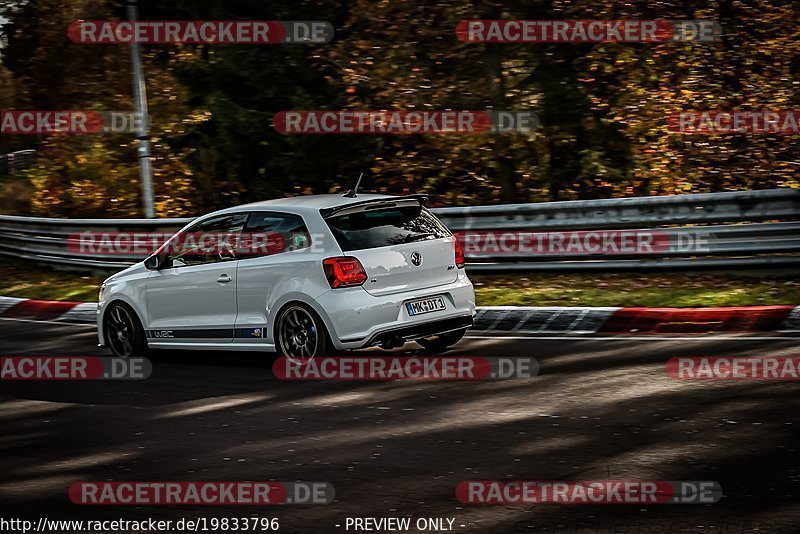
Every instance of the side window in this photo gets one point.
(269, 232)
(209, 241)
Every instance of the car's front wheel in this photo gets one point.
(124, 334)
(300, 334)
(442, 341)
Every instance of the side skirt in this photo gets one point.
(254, 347)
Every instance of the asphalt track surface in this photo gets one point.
(602, 408)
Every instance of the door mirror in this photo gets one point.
(152, 263)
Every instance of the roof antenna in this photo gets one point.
(352, 192)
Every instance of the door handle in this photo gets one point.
(224, 279)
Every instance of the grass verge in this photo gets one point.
(18, 279)
(637, 289)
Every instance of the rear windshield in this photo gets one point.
(384, 227)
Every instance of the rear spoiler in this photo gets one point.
(375, 203)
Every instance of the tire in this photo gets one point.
(442, 341)
(300, 334)
(123, 330)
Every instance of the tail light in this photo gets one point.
(460, 263)
(344, 271)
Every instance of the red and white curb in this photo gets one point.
(523, 320)
(48, 310)
(571, 320)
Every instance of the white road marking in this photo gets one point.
(45, 322)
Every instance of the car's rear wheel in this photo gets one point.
(124, 333)
(442, 341)
(300, 334)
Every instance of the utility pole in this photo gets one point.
(140, 95)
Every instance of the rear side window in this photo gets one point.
(268, 233)
(385, 227)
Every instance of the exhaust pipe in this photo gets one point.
(393, 343)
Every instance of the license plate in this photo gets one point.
(418, 307)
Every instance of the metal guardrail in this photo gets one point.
(636, 212)
(736, 230)
(46, 240)
(16, 161)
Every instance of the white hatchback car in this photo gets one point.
(347, 272)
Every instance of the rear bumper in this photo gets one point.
(356, 319)
(417, 331)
